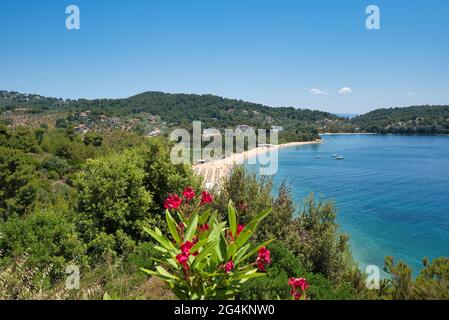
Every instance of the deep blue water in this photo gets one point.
(392, 192)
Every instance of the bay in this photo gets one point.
(392, 192)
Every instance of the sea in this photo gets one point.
(391, 192)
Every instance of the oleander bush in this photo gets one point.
(204, 258)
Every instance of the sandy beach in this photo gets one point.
(214, 171)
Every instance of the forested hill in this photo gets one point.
(176, 108)
(189, 107)
(410, 120)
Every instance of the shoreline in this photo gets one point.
(215, 170)
(346, 133)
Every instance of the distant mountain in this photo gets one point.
(182, 109)
(173, 107)
(410, 120)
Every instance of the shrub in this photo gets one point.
(312, 234)
(53, 164)
(19, 182)
(284, 267)
(252, 194)
(319, 244)
(202, 257)
(46, 238)
(432, 282)
(112, 204)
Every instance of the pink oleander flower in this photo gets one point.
(173, 202)
(206, 198)
(183, 260)
(263, 258)
(185, 248)
(229, 266)
(296, 283)
(264, 255)
(298, 287)
(188, 193)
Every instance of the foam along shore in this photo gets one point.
(215, 170)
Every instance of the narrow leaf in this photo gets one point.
(172, 227)
(191, 228)
(232, 218)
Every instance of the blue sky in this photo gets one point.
(268, 51)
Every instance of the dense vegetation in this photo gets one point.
(212, 111)
(218, 112)
(70, 198)
(411, 120)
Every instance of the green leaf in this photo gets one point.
(221, 248)
(204, 253)
(203, 218)
(165, 273)
(157, 235)
(241, 253)
(172, 227)
(243, 237)
(191, 228)
(232, 216)
(263, 214)
(198, 245)
(249, 275)
(231, 251)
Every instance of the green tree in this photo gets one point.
(45, 238)
(19, 182)
(321, 246)
(112, 204)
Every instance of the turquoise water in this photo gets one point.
(392, 192)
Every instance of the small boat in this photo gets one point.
(334, 155)
(339, 158)
(318, 157)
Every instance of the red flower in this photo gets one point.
(183, 260)
(185, 248)
(263, 258)
(203, 227)
(188, 193)
(229, 266)
(298, 283)
(264, 255)
(240, 229)
(172, 202)
(206, 198)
